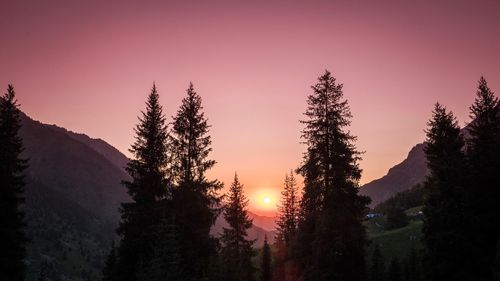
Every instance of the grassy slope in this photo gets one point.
(396, 242)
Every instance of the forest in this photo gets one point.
(325, 229)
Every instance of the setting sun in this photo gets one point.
(267, 200)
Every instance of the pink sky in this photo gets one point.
(88, 66)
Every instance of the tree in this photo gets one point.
(331, 236)
(395, 217)
(191, 146)
(377, 267)
(237, 249)
(288, 211)
(287, 222)
(394, 273)
(265, 267)
(12, 233)
(444, 205)
(149, 188)
(164, 264)
(413, 266)
(483, 194)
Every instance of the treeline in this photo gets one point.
(165, 229)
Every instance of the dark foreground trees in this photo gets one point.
(444, 209)
(149, 188)
(237, 251)
(331, 238)
(195, 199)
(12, 234)
(483, 192)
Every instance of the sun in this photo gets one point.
(267, 200)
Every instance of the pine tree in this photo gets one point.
(395, 217)
(12, 233)
(287, 222)
(191, 146)
(237, 249)
(164, 264)
(377, 267)
(444, 205)
(288, 211)
(265, 267)
(483, 194)
(395, 273)
(413, 266)
(331, 236)
(148, 187)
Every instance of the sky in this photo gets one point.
(88, 66)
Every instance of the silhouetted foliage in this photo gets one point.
(377, 266)
(164, 264)
(444, 205)
(237, 249)
(413, 266)
(395, 217)
(288, 211)
(331, 239)
(12, 225)
(111, 266)
(407, 199)
(265, 266)
(195, 199)
(483, 194)
(149, 189)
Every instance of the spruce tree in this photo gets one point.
(195, 199)
(148, 188)
(265, 267)
(12, 225)
(288, 211)
(331, 236)
(237, 249)
(483, 194)
(443, 228)
(377, 267)
(111, 265)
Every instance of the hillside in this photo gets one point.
(73, 193)
(401, 177)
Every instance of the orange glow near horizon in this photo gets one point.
(264, 201)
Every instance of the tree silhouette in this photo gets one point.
(191, 146)
(265, 267)
(483, 194)
(12, 234)
(148, 187)
(444, 205)
(237, 249)
(288, 211)
(331, 238)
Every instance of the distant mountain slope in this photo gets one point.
(401, 177)
(254, 233)
(73, 193)
(72, 197)
(264, 222)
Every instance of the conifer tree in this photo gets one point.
(12, 233)
(331, 238)
(377, 267)
(111, 265)
(265, 267)
(483, 194)
(237, 249)
(444, 240)
(148, 187)
(191, 146)
(288, 211)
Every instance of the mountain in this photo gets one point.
(401, 177)
(73, 192)
(254, 233)
(264, 222)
